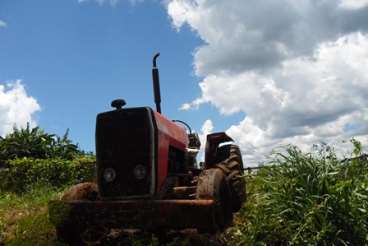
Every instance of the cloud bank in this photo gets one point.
(16, 107)
(297, 69)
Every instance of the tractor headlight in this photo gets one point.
(109, 174)
(140, 172)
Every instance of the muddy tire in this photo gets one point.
(229, 160)
(212, 184)
(73, 234)
(70, 232)
(83, 191)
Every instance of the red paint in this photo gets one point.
(169, 134)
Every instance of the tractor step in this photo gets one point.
(150, 215)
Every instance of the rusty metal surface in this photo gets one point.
(185, 189)
(141, 214)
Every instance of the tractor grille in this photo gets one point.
(124, 149)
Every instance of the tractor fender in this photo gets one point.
(212, 144)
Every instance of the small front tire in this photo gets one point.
(212, 184)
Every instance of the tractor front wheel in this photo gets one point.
(212, 184)
(69, 232)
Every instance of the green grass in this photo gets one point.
(24, 221)
(306, 199)
(24, 218)
(297, 199)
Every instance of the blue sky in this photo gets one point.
(74, 58)
(296, 77)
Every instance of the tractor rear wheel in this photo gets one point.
(212, 184)
(229, 160)
(69, 232)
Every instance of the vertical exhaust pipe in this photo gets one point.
(156, 84)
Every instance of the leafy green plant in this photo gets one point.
(23, 174)
(36, 143)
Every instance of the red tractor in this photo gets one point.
(148, 177)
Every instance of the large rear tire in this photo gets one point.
(229, 160)
(212, 184)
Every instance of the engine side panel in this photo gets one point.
(169, 135)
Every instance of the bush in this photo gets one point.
(35, 143)
(307, 199)
(22, 174)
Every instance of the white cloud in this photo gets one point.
(206, 129)
(195, 104)
(296, 69)
(3, 24)
(16, 107)
(353, 4)
(244, 35)
(304, 101)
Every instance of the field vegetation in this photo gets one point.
(36, 167)
(298, 198)
(36, 143)
(306, 199)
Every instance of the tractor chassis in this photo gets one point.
(145, 215)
